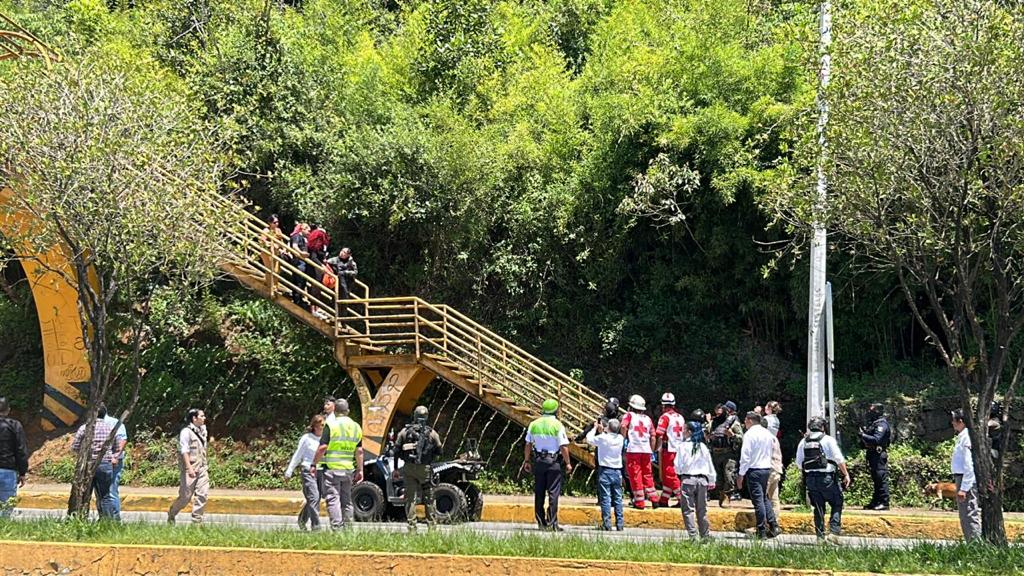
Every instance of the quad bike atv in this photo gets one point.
(381, 494)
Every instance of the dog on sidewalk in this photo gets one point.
(937, 492)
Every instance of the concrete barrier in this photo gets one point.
(868, 525)
(72, 559)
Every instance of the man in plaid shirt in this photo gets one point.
(105, 471)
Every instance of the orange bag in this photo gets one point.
(330, 280)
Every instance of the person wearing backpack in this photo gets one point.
(819, 457)
(418, 445)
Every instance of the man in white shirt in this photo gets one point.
(962, 466)
(755, 468)
(120, 441)
(609, 444)
(194, 478)
(819, 457)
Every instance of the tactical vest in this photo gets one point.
(341, 450)
(196, 447)
(418, 446)
(814, 455)
(718, 437)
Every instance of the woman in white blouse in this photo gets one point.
(697, 473)
(303, 459)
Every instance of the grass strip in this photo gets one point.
(973, 559)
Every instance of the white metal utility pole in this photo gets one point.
(817, 361)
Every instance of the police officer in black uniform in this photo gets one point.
(876, 437)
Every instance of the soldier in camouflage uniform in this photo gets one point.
(418, 445)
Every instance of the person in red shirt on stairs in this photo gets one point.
(668, 439)
(639, 432)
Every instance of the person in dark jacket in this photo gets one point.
(345, 267)
(876, 437)
(13, 457)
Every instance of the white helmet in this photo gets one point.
(668, 398)
(636, 402)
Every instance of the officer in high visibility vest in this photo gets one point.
(546, 454)
(341, 451)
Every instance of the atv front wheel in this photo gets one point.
(368, 502)
(450, 504)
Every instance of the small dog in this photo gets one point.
(939, 491)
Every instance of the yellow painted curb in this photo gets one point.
(880, 526)
(46, 559)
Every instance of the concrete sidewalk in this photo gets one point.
(911, 524)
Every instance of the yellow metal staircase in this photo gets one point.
(394, 346)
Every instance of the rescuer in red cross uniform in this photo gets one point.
(668, 438)
(639, 432)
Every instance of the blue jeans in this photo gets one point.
(609, 493)
(8, 490)
(101, 484)
(115, 483)
(757, 482)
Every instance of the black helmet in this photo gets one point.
(816, 424)
(697, 415)
(420, 414)
(997, 410)
(611, 408)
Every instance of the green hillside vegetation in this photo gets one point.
(591, 178)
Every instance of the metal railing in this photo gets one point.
(500, 370)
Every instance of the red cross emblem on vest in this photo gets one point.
(678, 429)
(640, 429)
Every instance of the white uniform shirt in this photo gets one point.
(638, 430)
(183, 438)
(695, 463)
(674, 424)
(829, 447)
(304, 453)
(609, 448)
(962, 463)
(758, 446)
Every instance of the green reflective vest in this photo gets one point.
(341, 450)
(545, 433)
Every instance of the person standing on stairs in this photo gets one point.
(194, 477)
(299, 253)
(303, 460)
(316, 244)
(546, 455)
(667, 441)
(639, 432)
(345, 267)
(341, 449)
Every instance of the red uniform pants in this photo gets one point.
(641, 478)
(669, 480)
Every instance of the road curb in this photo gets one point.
(874, 526)
(53, 558)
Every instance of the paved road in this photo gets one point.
(496, 529)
